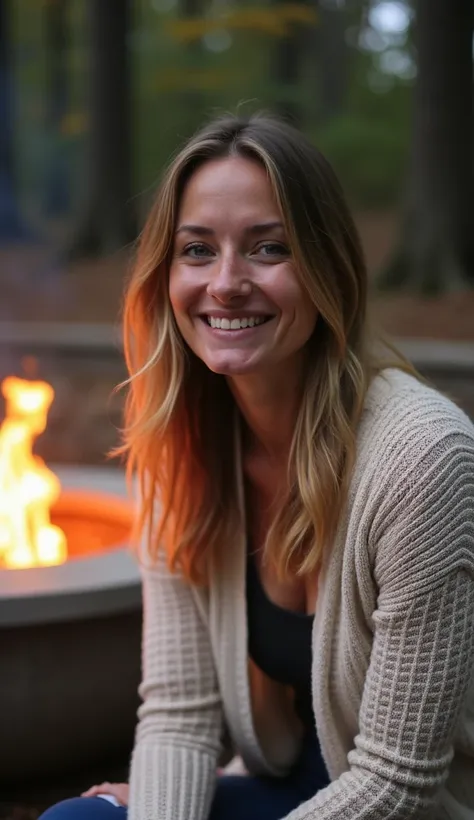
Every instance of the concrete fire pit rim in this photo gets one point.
(116, 568)
(95, 585)
(84, 588)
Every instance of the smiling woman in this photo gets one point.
(232, 270)
(306, 512)
(249, 224)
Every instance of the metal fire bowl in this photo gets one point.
(70, 656)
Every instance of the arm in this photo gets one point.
(177, 742)
(423, 649)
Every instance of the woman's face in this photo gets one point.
(233, 286)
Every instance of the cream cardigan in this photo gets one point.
(393, 642)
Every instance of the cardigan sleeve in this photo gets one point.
(178, 736)
(422, 654)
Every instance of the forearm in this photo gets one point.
(178, 737)
(420, 670)
(171, 782)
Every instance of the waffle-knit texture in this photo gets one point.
(393, 642)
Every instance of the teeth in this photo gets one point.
(235, 324)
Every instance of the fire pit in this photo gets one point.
(70, 616)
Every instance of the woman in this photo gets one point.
(311, 606)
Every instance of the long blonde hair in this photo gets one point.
(179, 435)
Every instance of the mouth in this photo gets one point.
(235, 324)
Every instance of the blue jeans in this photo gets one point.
(235, 798)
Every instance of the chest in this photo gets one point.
(265, 491)
(260, 715)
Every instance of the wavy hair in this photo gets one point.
(179, 433)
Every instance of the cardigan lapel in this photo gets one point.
(252, 702)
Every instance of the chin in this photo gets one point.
(231, 368)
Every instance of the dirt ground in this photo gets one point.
(34, 287)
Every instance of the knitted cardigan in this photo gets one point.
(393, 642)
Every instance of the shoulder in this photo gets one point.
(415, 474)
(405, 418)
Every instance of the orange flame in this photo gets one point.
(27, 487)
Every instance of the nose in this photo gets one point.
(228, 279)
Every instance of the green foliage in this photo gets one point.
(278, 21)
(180, 78)
(368, 155)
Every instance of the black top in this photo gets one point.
(280, 643)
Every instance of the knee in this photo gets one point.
(83, 808)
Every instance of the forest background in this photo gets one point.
(97, 94)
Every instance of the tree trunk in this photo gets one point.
(106, 222)
(192, 106)
(12, 225)
(288, 62)
(57, 193)
(332, 59)
(436, 251)
(286, 75)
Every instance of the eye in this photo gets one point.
(197, 251)
(272, 249)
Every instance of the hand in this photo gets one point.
(117, 790)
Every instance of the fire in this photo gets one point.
(27, 487)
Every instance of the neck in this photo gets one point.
(269, 406)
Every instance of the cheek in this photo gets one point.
(181, 296)
(174, 288)
(294, 300)
(309, 314)
(301, 312)
(180, 292)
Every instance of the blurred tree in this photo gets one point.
(289, 59)
(191, 101)
(57, 193)
(286, 74)
(436, 249)
(12, 225)
(332, 58)
(106, 221)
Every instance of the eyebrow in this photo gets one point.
(201, 230)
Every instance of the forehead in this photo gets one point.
(232, 185)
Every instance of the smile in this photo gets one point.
(236, 324)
